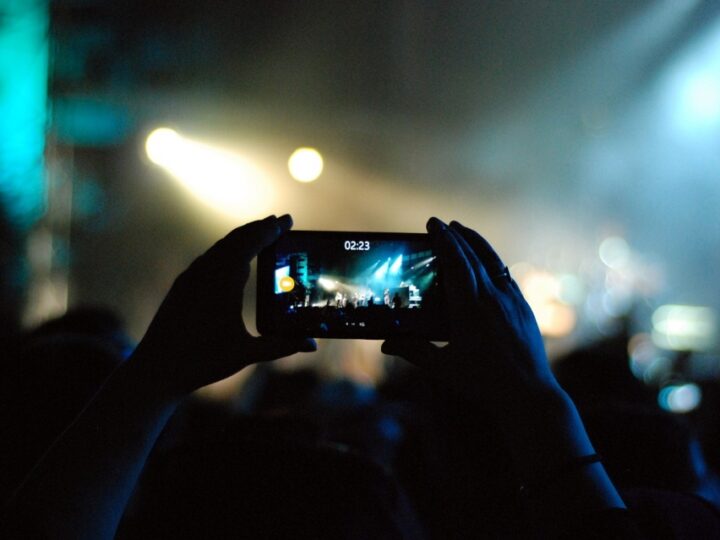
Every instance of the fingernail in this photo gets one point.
(435, 224)
(388, 347)
(285, 220)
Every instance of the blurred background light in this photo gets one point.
(305, 164)
(681, 398)
(559, 124)
(614, 252)
(24, 50)
(542, 291)
(221, 179)
(162, 145)
(691, 84)
(572, 289)
(684, 328)
(701, 98)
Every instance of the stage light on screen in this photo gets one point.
(691, 86)
(396, 265)
(327, 284)
(221, 179)
(305, 164)
(287, 284)
(280, 274)
(381, 272)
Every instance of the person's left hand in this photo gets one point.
(495, 353)
(198, 335)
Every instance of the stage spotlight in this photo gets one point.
(702, 98)
(327, 284)
(395, 267)
(224, 180)
(161, 145)
(372, 267)
(381, 272)
(305, 164)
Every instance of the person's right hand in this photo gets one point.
(495, 354)
(198, 335)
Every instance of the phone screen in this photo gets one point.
(350, 285)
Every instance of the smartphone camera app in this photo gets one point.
(350, 285)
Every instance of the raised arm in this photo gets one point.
(496, 358)
(81, 486)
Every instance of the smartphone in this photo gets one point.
(361, 285)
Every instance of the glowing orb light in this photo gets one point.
(305, 164)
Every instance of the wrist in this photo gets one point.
(545, 431)
(141, 375)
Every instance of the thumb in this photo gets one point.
(265, 348)
(416, 351)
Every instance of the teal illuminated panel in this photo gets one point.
(23, 107)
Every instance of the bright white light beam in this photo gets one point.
(221, 179)
(395, 267)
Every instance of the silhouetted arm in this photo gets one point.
(81, 486)
(496, 358)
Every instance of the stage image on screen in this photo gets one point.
(355, 285)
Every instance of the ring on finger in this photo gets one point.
(504, 274)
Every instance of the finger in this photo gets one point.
(482, 278)
(265, 348)
(458, 278)
(494, 266)
(244, 243)
(416, 351)
(285, 223)
(250, 239)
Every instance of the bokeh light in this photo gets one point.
(681, 398)
(684, 328)
(614, 252)
(305, 164)
(543, 292)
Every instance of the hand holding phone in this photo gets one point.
(494, 339)
(198, 335)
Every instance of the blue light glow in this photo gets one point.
(23, 103)
(396, 265)
(381, 272)
(680, 398)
